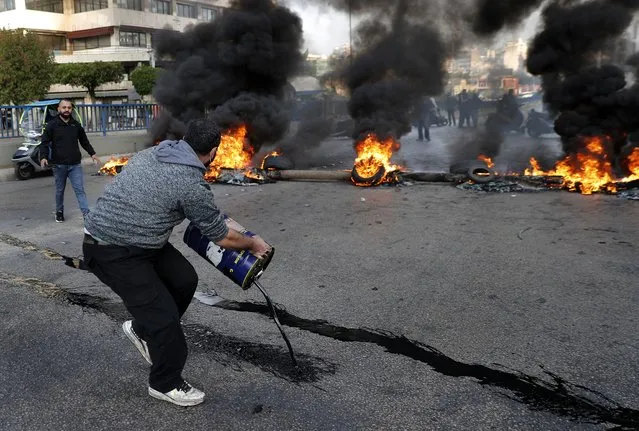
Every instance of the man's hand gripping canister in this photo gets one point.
(240, 266)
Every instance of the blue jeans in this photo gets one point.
(76, 176)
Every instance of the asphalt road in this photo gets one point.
(419, 307)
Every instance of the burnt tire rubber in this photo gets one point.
(463, 166)
(278, 162)
(374, 180)
(475, 170)
(24, 171)
(480, 174)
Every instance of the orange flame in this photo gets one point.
(633, 165)
(489, 162)
(587, 171)
(111, 167)
(372, 155)
(271, 154)
(234, 152)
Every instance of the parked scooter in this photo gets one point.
(31, 125)
(538, 124)
(437, 119)
(27, 158)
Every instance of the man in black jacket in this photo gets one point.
(60, 144)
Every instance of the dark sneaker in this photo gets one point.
(59, 216)
(138, 342)
(184, 395)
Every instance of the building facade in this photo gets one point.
(515, 53)
(82, 31)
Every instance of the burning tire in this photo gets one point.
(475, 170)
(374, 180)
(480, 174)
(463, 167)
(279, 162)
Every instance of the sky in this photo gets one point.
(326, 29)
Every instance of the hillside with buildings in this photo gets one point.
(81, 31)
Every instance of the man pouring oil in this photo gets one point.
(126, 246)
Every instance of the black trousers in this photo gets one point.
(156, 287)
(451, 117)
(423, 129)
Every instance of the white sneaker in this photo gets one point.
(184, 395)
(138, 342)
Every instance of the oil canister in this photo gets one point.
(240, 266)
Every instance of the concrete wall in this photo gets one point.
(113, 143)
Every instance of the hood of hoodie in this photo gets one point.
(179, 153)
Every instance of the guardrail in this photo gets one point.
(96, 118)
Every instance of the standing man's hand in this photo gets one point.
(44, 163)
(96, 160)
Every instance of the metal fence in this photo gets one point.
(96, 118)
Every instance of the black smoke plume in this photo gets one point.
(486, 18)
(400, 59)
(235, 69)
(491, 16)
(587, 98)
(311, 132)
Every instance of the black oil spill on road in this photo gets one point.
(272, 359)
(221, 347)
(557, 396)
(227, 350)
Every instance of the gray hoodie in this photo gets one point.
(157, 189)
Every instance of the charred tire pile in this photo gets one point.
(475, 170)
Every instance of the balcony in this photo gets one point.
(120, 90)
(111, 53)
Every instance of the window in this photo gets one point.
(54, 6)
(91, 42)
(186, 10)
(89, 5)
(52, 42)
(131, 4)
(130, 38)
(161, 6)
(209, 14)
(7, 5)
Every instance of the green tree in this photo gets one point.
(143, 78)
(88, 75)
(26, 67)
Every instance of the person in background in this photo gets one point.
(451, 105)
(425, 111)
(60, 140)
(464, 114)
(474, 104)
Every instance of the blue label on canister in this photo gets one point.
(239, 266)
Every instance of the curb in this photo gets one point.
(8, 174)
